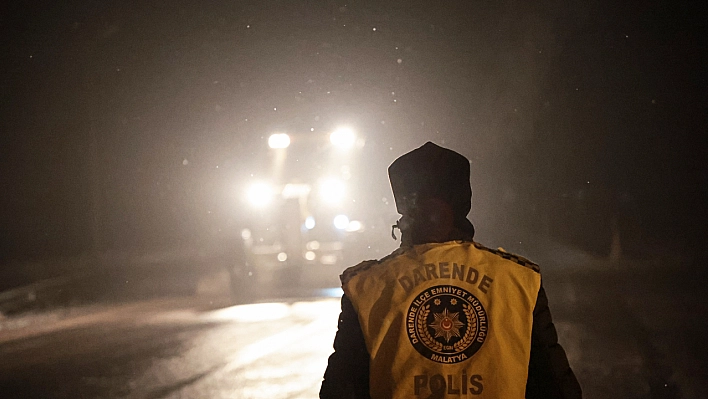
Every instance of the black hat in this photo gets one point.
(431, 171)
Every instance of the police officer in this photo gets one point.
(443, 316)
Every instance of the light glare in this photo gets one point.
(279, 140)
(343, 138)
(246, 234)
(310, 223)
(292, 190)
(251, 313)
(354, 225)
(332, 191)
(260, 194)
(341, 222)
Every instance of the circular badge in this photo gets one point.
(446, 324)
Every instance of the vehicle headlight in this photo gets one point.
(341, 222)
(246, 234)
(310, 223)
(343, 138)
(332, 190)
(354, 225)
(260, 194)
(278, 140)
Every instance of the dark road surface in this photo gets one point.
(169, 349)
(628, 334)
(632, 334)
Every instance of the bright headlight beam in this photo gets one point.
(279, 140)
(260, 194)
(310, 223)
(246, 234)
(354, 225)
(341, 222)
(343, 138)
(332, 191)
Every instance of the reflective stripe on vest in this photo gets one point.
(447, 320)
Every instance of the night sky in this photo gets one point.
(576, 116)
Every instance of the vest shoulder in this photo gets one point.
(509, 256)
(350, 272)
(365, 266)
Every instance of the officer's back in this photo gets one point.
(444, 316)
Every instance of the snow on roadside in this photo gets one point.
(26, 320)
(32, 324)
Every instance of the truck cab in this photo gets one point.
(304, 220)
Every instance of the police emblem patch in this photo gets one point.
(446, 324)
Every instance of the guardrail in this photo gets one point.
(38, 294)
(117, 276)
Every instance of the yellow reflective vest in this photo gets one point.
(446, 320)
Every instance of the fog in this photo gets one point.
(131, 133)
